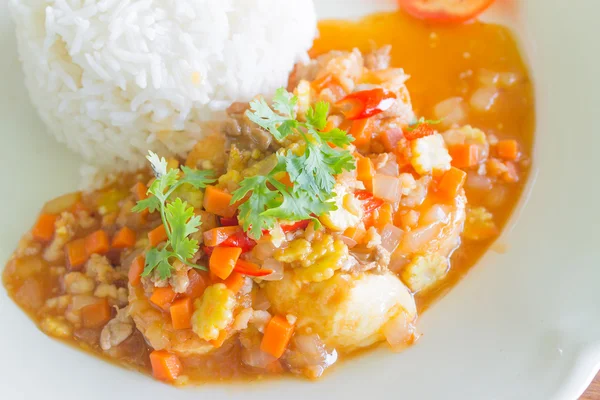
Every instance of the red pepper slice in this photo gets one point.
(295, 226)
(445, 10)
(237, 239)
(250, 268)
(366, 103)
(370, 202)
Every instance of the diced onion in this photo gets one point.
(390, 237)
(276, 267)
(484, 98)
(390, 168)
(414, 240)
(488, 78)
(62, 203)
(437, 213)
(478, 182)
(348, 241)
(260, 301)
(263, 250)
(451, 111)
(397, 263)
(386, 187)
(257, 358)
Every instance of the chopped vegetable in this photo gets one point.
(265, 199)
(97, 242)
(181, 313)
(451, 183)
(217, 236)
(385, 216)
(360, 133)
(366, 103)
(420, 129)
(165, 366)
(370, 202)
(235, 281)
(158, 235)
(277, 336)
(232, 221)
(135, 270)
(76, 253)
(250, 269)
(390, 138)
(365, 172)
(162, 297)
(198, 283)
(96, 314)
(465, 155)
(445, 10)
(140, 190)
(125, 238)
(223, 260)
(178, 219)
(218, 202)
(508, 149)
(44, 227)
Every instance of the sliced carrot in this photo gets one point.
(464, 155)
(165, 366)
(451, 183)
(163, 297)
(391, 138)
(181, 313)
(277, 336)
(97, 242)
(216, 236)
(218, 342)
(44, 227)
(198, 283)
(136, 269)
(217, 201)
(125, 238)
(365, 170)
(385, 215)
(223, 260)
(360, 133)
(355, 233)
(157, 235)
(96, 314)
(235, 281)
(140, 191)
(512, 174)
(76, 253)
(285, 179)
(508, 149)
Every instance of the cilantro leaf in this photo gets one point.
(263, 116)
(151, 203)
(183, 223)
(298, 206)
(285, 103)
(154, 257)
(317, 115)
(197, 178)
(337, 137)
(251, 210)
(159, 165)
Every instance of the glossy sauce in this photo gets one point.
(444, 62)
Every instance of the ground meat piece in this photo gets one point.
(85, 219)
(179, 281)
(100, 269)
(78, 283)
(246, 132)
(378, 59)
(376, 261)
(64, 231)
(28, 246)
(116, 330)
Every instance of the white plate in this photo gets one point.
(521, 325)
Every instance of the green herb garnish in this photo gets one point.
(177, 216)
(312, 172)
(422, 121)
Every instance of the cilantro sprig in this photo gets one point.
(176, 215)
(312, 172)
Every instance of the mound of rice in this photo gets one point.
(115, 78)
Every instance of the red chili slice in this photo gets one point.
(445, 10)
(231, 221)
(366, 103)
(370, 202)
(295, 226)
(250, 269)
(419, 131)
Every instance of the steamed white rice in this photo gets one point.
(115, 78)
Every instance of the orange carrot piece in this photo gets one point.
(217, 201)
(97, 242)
(165, 366)
(125, 238)
(163, 297)
(451, 183)
(355, 233)
(216, 236)
(359, 132)
(285, 179)
(76, 253)
(385, 215)
(198, 283)
(365, 170)
(44, 227)
(508, 149)
(277, 336)
(136, 269)
(235, 281)
(157, 235)
(140, 190)
(512, 174)
(181, 313)
(464, 155)
(96, 314)
(223, 259)
(218, 342)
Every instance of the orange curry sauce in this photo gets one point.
(443, 62)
